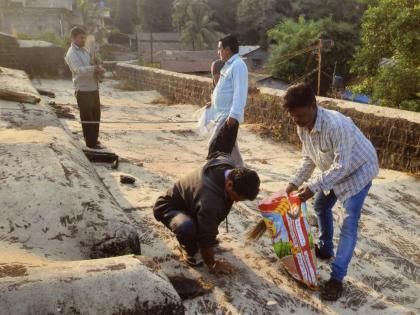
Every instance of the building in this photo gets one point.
(32, 17)
(148, 44)
(254, 56)
(186, 61)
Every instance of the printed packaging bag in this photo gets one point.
(286, 220)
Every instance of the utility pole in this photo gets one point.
(151, 47)
(319, 65)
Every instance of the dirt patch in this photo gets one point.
(190, 288)
(13, 271)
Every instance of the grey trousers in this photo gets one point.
(236, 154)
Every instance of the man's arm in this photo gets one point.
(305, 171)
(342, 143)
(76, 66)
(240, 90)
(208, 229)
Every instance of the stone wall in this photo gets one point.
(394, 133)
(35, 57)
(8, 48)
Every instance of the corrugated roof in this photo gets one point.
(245, 50)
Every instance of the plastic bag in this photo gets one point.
(286, 221)
(205, 120)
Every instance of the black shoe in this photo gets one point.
(332, 290)
(321, 253)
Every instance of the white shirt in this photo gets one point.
(83, 71)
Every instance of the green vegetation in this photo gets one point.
(387, 63)
(49, 36)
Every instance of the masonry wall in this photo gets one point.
(8, 48)
(33, 59)
(394, 133)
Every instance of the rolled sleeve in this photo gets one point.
(240, 91)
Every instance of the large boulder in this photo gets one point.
(52, 200)
(30, 285)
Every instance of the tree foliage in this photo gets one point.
(155, 15)
(255, 17)
(387, 62)
(126, 15)
(290, 61)
(198, 26)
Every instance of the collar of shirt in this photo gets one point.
(227, 172)
(318, 121)
(232, 59)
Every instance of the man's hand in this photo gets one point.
(221, 267)
(208, 105)
(99, 70)
(304, 193)
(231, 121)
(291, 188)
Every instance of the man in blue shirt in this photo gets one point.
(229, 99)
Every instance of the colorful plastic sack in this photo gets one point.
(286, 220)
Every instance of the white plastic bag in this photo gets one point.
(205, 122)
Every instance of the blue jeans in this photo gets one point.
(185, 229)
(348, 237)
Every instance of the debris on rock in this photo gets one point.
(126, 179)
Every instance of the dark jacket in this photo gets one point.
(201, 195)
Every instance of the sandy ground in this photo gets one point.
(384, 273)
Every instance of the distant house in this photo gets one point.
(148, 44)
(32, 17)
(265, 80)
(186, 61)
(254, 56)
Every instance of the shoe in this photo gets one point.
(192, 261)
(321, 253)
(332, 290)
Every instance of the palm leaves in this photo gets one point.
(199, 29)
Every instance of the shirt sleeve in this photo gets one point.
(208, 226)
(342, 144)
(305, 171)
(240, 90)
(76, 66)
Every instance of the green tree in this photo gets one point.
(155, 15)
(126, 15)
(254, 17)
(388, 60)
(199, 28)
(292, 57)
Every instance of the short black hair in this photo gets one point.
(231, 41)
(77, 30)
(299, 95)
(246, 182)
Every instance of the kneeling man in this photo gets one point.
(195, 206)
(348, 163)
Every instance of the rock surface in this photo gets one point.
(31, 285)
(52, 200)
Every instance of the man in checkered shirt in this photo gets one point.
(348, 163)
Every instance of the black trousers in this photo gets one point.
(224, 140)
(90, 110)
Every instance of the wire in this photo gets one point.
(111, 121)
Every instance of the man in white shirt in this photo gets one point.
(229, 100)
(85, 79)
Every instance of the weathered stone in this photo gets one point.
(30, 285)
